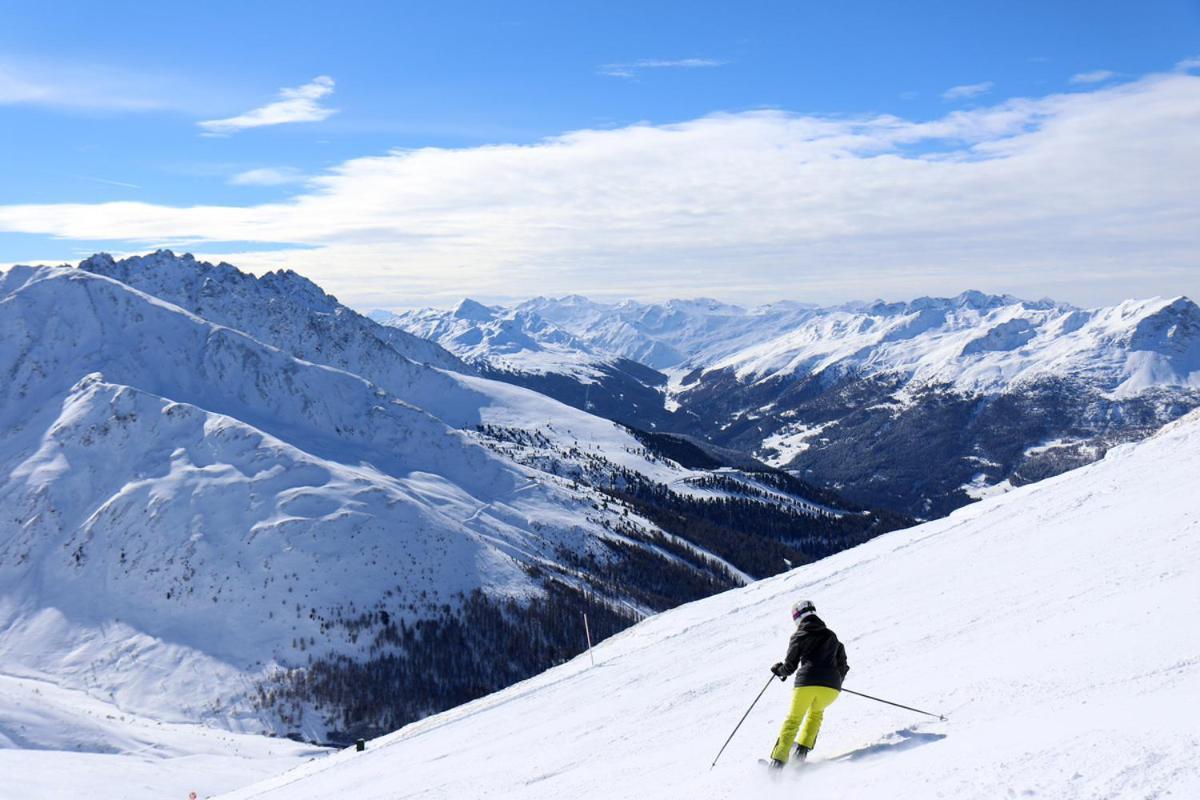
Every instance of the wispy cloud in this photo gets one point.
(1095, 76)
(967, 90)
(633, 68)
(107, 181)
(268, 176)
(301, 104)
(1090, 191)
(1188, 64)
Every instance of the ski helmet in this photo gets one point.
(801, 609)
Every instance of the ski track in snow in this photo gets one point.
(1052, 625)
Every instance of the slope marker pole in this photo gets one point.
(587, 631)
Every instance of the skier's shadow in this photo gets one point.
(905, 739)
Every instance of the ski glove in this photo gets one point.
(780, 670)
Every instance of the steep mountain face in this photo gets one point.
(280, 306)
(1047, 625)
(202, 525)
(919, 407)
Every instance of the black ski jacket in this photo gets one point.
(821, 658)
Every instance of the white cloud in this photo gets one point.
(1095, 76)
(632, 69)
(1188, 64)
(967, 90)
(268, 176)
(1088, 196)
(301, 104)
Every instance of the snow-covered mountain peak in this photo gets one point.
(281, 307)
(472, 311)
(184, 275)
(970, 301)
(1171, 325)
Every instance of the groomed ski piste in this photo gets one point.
(1054, 626)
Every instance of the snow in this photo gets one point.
(507, 340)
(980, 489)
(1051, 625)
(781, 448)
(58, 743)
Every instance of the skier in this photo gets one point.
(821, 659)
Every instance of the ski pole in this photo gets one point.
(897, 705)
(743, 719)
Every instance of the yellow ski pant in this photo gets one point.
(808, 709)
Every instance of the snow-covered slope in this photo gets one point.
(60, 743)
(1052, 625)
(201, 507)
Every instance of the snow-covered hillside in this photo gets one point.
(200, 525)
(1052, 625)
(58, 743)
(202, 508)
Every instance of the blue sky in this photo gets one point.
(105, 105)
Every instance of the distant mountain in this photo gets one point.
(921, 406)
(663, 335)
(917, 406)
(303, 529)
(520, 346)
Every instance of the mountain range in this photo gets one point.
(919, 407)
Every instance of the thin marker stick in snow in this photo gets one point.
(743, 719)
(897, 705)
(588, 633)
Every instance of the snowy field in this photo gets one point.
(58, 744)
(1055, 626)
